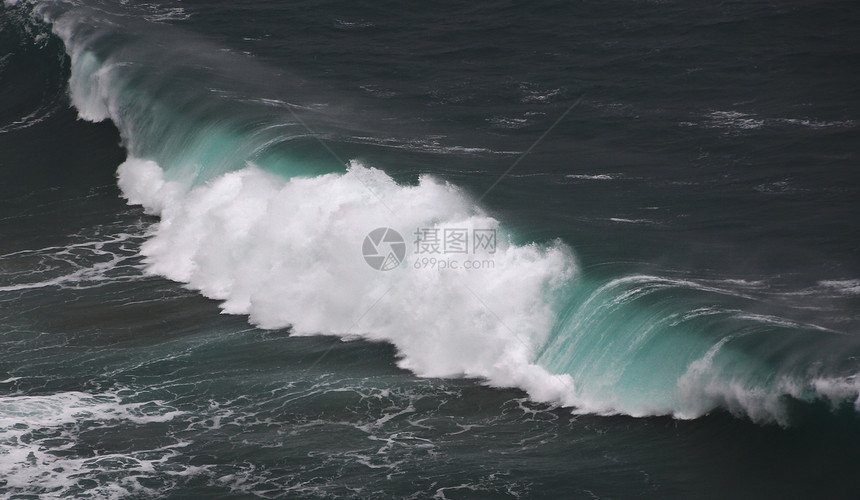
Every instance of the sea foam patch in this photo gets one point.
(40, 435)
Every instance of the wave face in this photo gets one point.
(250, 218)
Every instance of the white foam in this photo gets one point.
(747, 121)
(142, 183)
(509, 122)
(37, 432)
(846, 287)
(804, 122)
(533, 94)
(838, 389)
(78, 265)
(590, 177)
(736, 120)
(631, 221)
(288, 253)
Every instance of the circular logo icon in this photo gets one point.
(384, 249)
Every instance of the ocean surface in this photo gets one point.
(324, 249)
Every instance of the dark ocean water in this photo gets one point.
(670, 308)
